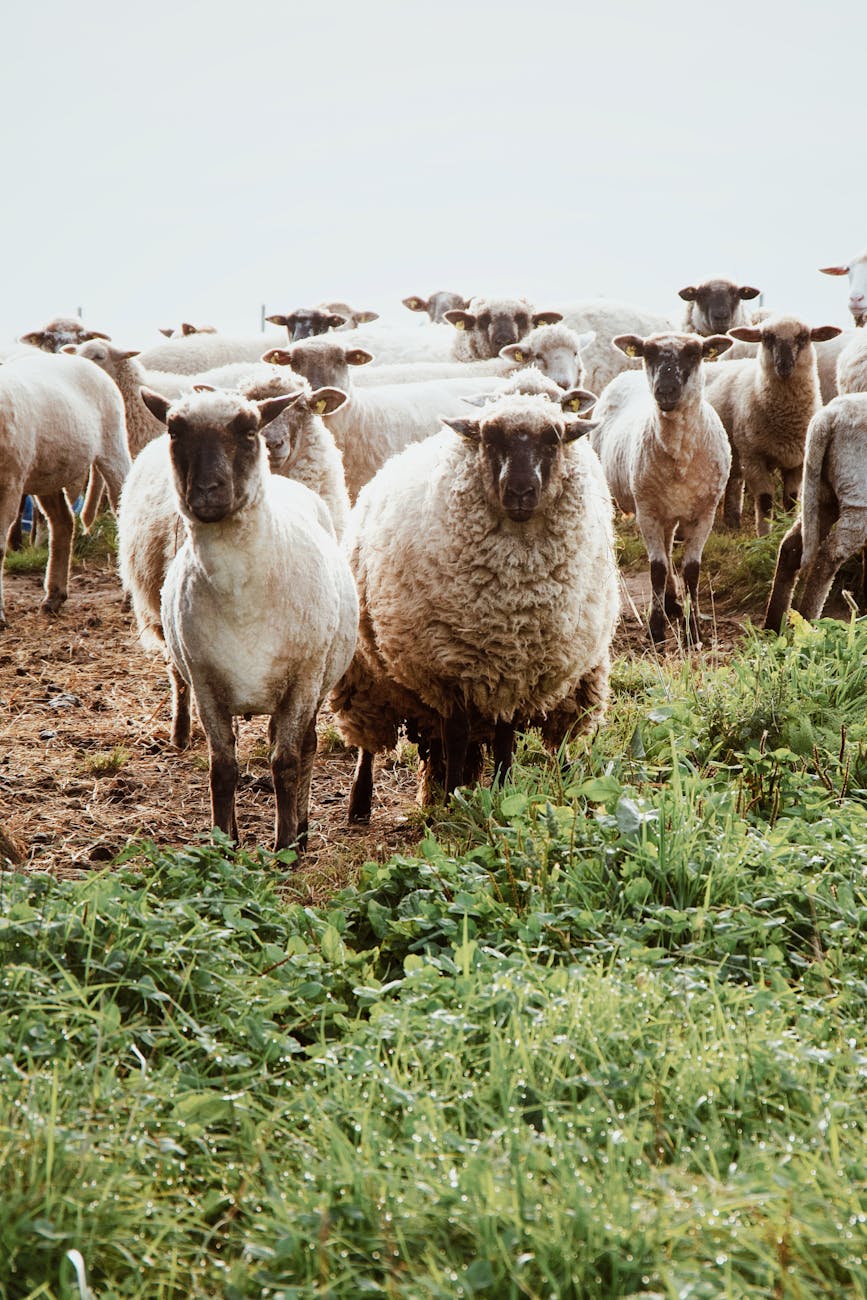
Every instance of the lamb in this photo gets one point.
(490, 324)
(607, 317)
(59, 416)
(375, 423)
(258, 609)
(857, 273)
(716, 306)
(437, 304)
(555, 349)
(832, 525)
(488, 585)
(852, 365)
(666, 458)
(766, 405)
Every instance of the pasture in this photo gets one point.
(598, 1033)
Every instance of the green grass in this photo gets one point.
(99, 544)
(601, 1035)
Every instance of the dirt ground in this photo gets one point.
(85, 763)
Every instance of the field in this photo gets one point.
(597, 1034)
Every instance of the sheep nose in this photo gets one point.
(856, 300)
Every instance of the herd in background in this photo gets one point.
(416, 522)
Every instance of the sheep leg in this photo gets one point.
(785, 577)
(456, 737)
(308, 757)
(791, 486)
(673, 607)
(224, 772)
(61, 526)
(290, 731)
(504, 743)
(10, 501)
(474, 763)
(361, 793)
(16, 533)
(696, 534)
(180, 709)
(92, 498)
(733, 501)
(431, 769)
(761, 484)
(657, 545)
(847, 536)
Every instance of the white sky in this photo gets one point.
(169, 161)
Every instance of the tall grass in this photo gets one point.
(601, 1035)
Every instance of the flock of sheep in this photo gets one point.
(416, 523)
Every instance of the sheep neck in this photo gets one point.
(675, 430)
(233, 550)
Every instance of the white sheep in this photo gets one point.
(606, 318)
(392, 345)
(258, 608)
(58, 332)
(437, 304)
(666, 458)
(766, 404)
(375, 423)
(59, 418)
(486, 572)
(195, 353)
(857, 273)
(490, 324)
(832, 525)
(852, 364)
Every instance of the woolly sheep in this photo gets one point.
(391, 345)
(59, 417)
(437, 304)
(666, 458)
(832, 525)
(607, 317)
(766, 405)
(58, 332)
(375, 423)
(486, 573)
(852, 365)
(490, 324)
(857, 273)
(258, 609)
(352, 316)
(309, 322)
(199, 352)
(716, 306)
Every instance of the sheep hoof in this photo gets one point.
(52, 604)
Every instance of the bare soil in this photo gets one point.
(85, 760)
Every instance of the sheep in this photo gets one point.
(852, 365)
(120, 365)
(532, 382)
(258, 611)
(832, 525)
(552, 348)
(666, 458)
(185, 328)
(716, 306)
(857, 273)
(489, 594)
(437, 304)
(352, 316)
(59, 331)
(375, 423)
(308, 322)
(607, 317)
(490, 324)
(59, 417)
(766, 405)
(196, 353)
(390, 345)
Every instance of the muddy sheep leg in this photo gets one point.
(785, 577)
(696, 533)
(504, 744)
(361, 793)
(61, 525)
(847, 536)
(224, 772)
(456, 737)
(733, 500)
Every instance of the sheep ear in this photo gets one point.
(834, 270)
(415, 304)
(577, 428)
(747, 291)
(462, 320)
(630, 344)
(547, 317)
(365, 317)
(470, 429)
(271, 407)
(168, 333)
(335, 320)
(688, 294)
(126, 356)
(579, 401)
(204, 388)
(515, 352)
(277, 357)
(822, 333)
(187, 328)
(585, 339)
(325, 401)
(746, 334)
(156, 403)
(278, 320)
(358, 357)
(711, 347)
(35, 337)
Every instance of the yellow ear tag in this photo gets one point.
(575, 403)
(460, 325)
(632, 351)
(320, 406)
(519, 356)
(712, 355)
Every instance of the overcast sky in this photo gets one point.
(169, 161)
